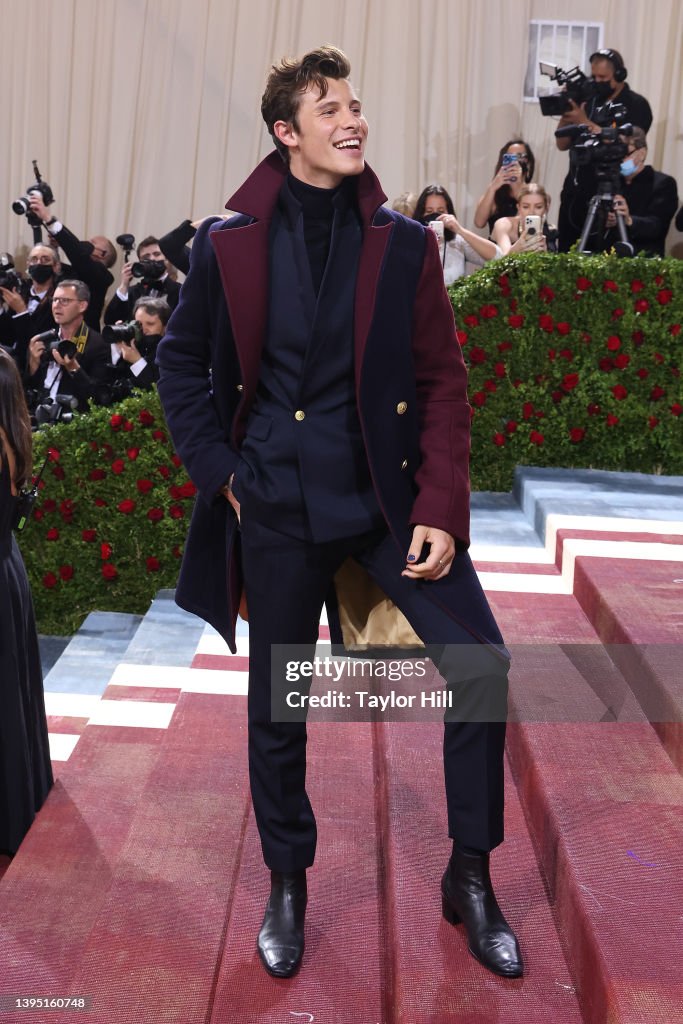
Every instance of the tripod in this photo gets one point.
(603, 201)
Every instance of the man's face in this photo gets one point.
(149, 322)
(151, 252)
(328, 142)
(42, 255)
(67, 308)
(100, 250)
(603, 71)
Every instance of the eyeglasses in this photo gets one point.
(45, 260)
(58, 300)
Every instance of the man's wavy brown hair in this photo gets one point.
(290, 78)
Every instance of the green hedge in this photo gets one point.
(109, 525)
(573, 361)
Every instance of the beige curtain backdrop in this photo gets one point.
(144, 112)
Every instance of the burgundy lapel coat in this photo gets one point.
(410, 387)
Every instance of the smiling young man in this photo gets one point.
(315, 390)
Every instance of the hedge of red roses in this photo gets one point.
(109, 525)
(573, 361)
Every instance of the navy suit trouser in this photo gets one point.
(286, 582)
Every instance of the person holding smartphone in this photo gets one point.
(514, 168)
(457, 245)
(25, 770)
(528, 230)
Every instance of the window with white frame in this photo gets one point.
(568, 44)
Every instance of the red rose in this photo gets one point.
(100, 502)
(145, 418)
(488, 312)
(611, 420)
(676, 408)
(489, 386)
(675, 329)
(144, 486)
(641, 305)
(49, 580)
(66, 510)
(643, 373)
(94, 446)
(504, 281)
(637, 286)
(557, 396)
(592, 409)
(536, 438)
(652, 422)
(478, 398)
(511, 426)
(513, 305)
(116, 421)
(545, 322)
(583, 284)
(176, 511)
(552, 354)
(576, 435)
(504, 346)
(52, 533)
(155, 514)
(664, 296)
(109, 571)
(153, 564)
(569, 381)
(610, 286)
(499, 439)
(462, 337)
(566, 353)
(164, 471)
(477, 355)
(49, 505)
(66, 572)
(614, 343)
(616, 313)
(58, 473)
(159, 435)
(105, 551)
(563, 327)
(37, 514)
(622, 361)
(527, 410)
(126, 506)
(637, 338)
(658, 358)
(128, 426)
(471, 320)
(188, 490)
(97, 474)
(117, 466)
(619, 392)
(54, 455)
(177, 553)
(132, 453)
(606, 364)
(516, 321)
(498, 369)
(656, 393)
(88, 535)
(659, 280)
(545, 293)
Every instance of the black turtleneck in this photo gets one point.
(318, 206)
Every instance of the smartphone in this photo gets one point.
(510, 158)
(532, 224)
(437, 228)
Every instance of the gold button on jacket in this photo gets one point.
(299, 415)
(401, 408)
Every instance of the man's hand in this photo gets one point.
(126, 275)
(129, 351)
(441, 554)
(36, 348)
(226, 491)
(38, 207)
(14, 300)
(70, 364)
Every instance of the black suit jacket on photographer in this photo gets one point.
(652, 198)
(93, 370)
(118, 309)
(145, 377)
(25, 325)
(88, 270)
(175, 248)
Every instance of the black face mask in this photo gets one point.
(603, 90)
(41, 273)
(447, 233)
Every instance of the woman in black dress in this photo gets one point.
(25, 771)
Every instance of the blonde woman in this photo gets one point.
(510, 234)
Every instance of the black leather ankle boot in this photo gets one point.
(280, 942)
(467, 896)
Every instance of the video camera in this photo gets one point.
(22, 205)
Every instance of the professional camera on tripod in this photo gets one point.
(602, 150)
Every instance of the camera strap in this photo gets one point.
(26, 499)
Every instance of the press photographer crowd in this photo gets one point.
(74, 341)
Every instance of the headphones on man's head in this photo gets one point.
(615, 58)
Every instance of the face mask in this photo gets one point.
(628, 167)
(41, 273)
(603, 90)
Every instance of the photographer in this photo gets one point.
(647, 201)
(89, 260)
(609, 79)
(133, 351)
(155, 283)
(70, 369)
(31, 309)
(514, 169)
